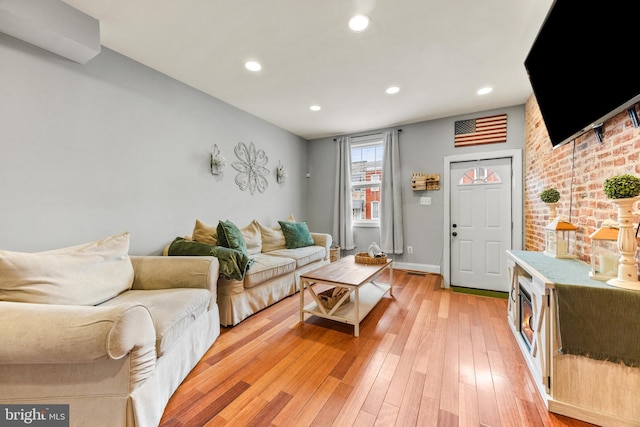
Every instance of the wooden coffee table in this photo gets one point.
(358, 279)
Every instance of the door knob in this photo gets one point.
(454, 225)
(454, 234)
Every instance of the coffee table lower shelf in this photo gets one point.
(364, 298)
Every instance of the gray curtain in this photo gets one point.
(391, 228)
(342, 207)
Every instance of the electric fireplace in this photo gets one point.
(526, 317)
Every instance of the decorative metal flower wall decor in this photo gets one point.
(252, 173)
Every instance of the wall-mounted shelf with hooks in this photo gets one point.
(422, 181)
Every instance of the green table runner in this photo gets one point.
(595, 320)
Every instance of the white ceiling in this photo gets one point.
(438, 52)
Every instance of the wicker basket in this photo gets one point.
(334, 254)
(330, 297)
(364, 258)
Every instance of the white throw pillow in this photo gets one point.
(87, 274)
(273, 237)
(252, 238)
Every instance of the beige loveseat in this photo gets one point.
(274, 266)
(114, 359)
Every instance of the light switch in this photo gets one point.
(425, 200)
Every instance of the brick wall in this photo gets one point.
(578, 170)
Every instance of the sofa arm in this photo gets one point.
(325, 240)
(166, 272)
(49, 333)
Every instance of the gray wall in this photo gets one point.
(423, 147)
(91, 150)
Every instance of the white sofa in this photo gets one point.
(274, 271)
(117, 362)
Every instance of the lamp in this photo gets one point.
(604, 257)
(557, 238)
(218, 162)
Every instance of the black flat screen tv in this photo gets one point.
(581, 65)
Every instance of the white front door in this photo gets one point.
(480, 223)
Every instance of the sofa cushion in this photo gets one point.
(266, 267)
(85, 274)
(172, 311)
(296, 234)
(302, 256)
(252, 238)
(230, 236)
(205, 233)
(272, 238)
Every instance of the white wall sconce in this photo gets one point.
(218, 162)
(281, 174)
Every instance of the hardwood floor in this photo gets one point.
(427, 357)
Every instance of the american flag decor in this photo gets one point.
(485, 130)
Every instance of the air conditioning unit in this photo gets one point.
(52, 25)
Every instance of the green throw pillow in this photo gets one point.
(230, 236)
(296, 234)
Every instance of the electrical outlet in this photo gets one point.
(425, 200)
(410, 249)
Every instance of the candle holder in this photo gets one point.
(557, 238)
(627, 244)
(604, 255)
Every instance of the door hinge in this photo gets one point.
(549, 382)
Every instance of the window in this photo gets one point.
(366, 180)
(478, 176)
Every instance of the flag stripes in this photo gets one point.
(484, 130)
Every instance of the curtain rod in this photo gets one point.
(362, 136)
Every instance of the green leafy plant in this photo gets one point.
(622, 186)
(550, 195)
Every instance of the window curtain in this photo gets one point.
(391, 227)
(342, 207)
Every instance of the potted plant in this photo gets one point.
(622, 186)
(550, 195)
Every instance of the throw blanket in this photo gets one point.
(233, 263)
(599, 323)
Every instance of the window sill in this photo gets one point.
(367, 224)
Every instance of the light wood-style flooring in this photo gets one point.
(427, 357)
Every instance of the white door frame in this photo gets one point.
(516, 201)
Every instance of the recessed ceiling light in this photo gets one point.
(252, 66)
(315, 108)
(484, 90)
(359, 23)
(393, 89)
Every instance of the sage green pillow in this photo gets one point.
(296, 234)
(230, 236)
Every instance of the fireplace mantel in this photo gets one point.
(597, 391)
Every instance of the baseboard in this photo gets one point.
(427, 268)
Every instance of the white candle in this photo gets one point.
(561, 247)
(609, 264)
